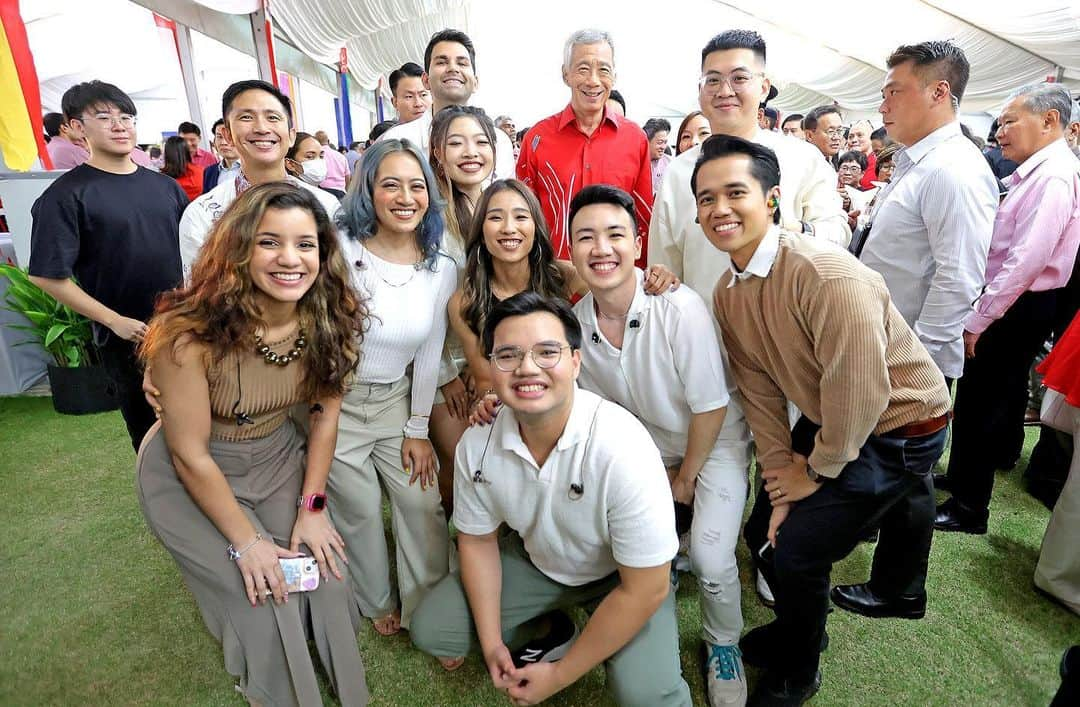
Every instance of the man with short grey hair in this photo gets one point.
(1025, 299)
(506, 124)
(1072, 133)
(586, 143)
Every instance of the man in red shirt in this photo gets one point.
(586, 143)
(193, 137)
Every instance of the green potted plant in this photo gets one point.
(79, 383)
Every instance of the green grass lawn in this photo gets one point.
(93, 610)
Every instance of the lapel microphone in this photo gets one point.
(595, 338)
(634, 324)
(242, 418)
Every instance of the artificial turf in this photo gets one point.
(92, 609)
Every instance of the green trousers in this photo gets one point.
(645, 672)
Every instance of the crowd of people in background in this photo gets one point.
(574, 340)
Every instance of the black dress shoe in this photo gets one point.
(860, 599)
(953, 517)
(759, 646)
(774, 690)
(1069, 691)
(941, 482)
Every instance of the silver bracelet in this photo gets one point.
(235, 554)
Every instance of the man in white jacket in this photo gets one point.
(731, 87)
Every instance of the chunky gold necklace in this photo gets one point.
(275, 359)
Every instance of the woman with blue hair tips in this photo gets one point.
(391, 223)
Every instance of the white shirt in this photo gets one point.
(860, 199)
(202, 213)
(624, 514)
(929, 237)
(669, 368)
(807, 193)
(761, 261)
(227, 173)
(418, 132)
(407, 323)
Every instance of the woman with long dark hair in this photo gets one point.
(391, 225)
(692, 131)
(268, 321)
(462, 156)
(179, 166)
(508, 252)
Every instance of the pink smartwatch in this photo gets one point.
(315, 502)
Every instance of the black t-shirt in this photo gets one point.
(118, 234)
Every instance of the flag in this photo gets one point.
(22, 137)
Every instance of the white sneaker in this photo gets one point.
(765, 592)
(725, 680)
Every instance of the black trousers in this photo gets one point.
(125, 378)
(889, 486)
(1048, 466)
(992, 395)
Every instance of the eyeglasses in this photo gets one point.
(107, 120)
(835, 132)
(739, 81)
(544, 355)
(850, 168)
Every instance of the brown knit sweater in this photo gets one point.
(821, 331)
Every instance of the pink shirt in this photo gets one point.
(142, 159)
(337, 169)
(1036, 233)
(66, 155)
(204, 159)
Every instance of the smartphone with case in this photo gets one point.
(301, 573)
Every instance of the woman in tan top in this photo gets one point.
(268, 321)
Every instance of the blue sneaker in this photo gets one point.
(725, 679)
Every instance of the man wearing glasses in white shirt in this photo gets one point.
(732, 86)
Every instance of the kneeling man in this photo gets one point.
(583, 488)
(659, 357)
(805, 321)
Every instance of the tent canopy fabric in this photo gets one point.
(813, 57)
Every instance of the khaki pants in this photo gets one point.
(1058, 569)
(266, 645)
(367, 461)
(646, 671)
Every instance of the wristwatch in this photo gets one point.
(814, 476)
(315, 502)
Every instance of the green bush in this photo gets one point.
(63, 333)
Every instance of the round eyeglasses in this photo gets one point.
(544, 355)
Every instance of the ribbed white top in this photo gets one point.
(407, 324)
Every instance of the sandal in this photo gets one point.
(451, 664)
(388, 625)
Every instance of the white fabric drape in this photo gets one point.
(853, 74)
(379, 35)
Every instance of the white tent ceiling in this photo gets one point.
(815, 56)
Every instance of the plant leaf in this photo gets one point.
(55, 331)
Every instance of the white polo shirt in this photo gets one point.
(623, 514)
(670, 366)
(202, 213)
